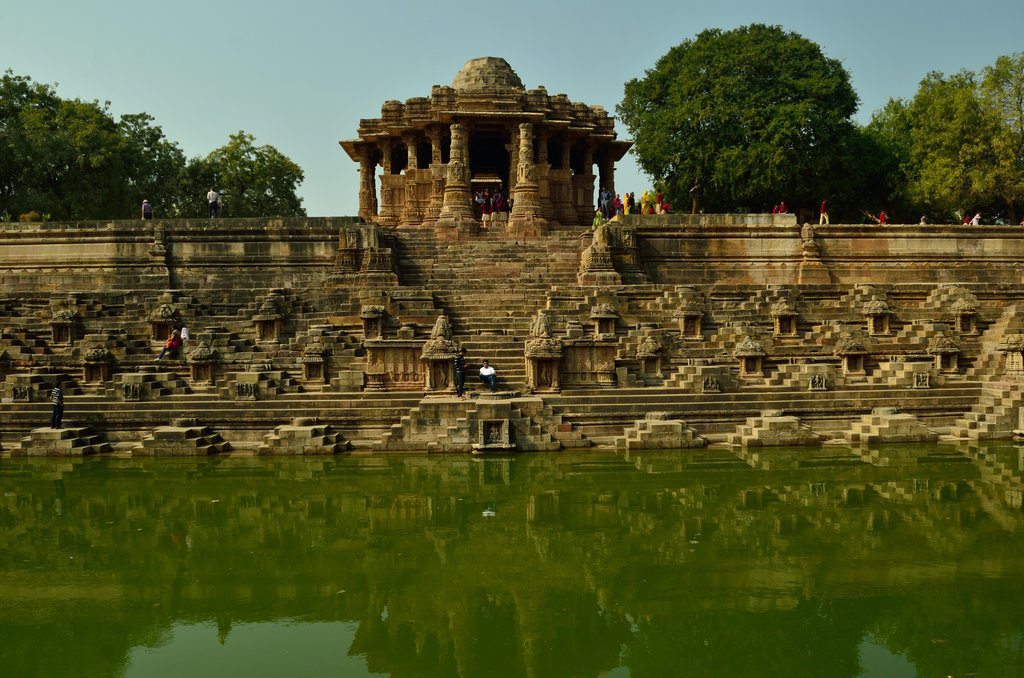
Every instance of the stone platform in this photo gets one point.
(709, 319)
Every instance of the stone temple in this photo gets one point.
(314, 336)
(436, 151)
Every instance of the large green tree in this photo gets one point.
(1002, 95)
(60, 156)
(957, 146)
(70, 159)
(253, 181)
(755, 114)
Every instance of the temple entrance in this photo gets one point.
(489, 159)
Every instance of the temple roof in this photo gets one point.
(486, 73)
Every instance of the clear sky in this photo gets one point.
(300, 74)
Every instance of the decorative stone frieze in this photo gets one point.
(438, 353)
(965, 313)
(314, 362)
(63, 325)
(649, 352)
(96, 365)
(604, 316)
(852, 353)
(1013, 347)
(689, 315)
(750, 354)
(373, 321)
(946, 352)
(784, 315)
(267, 320)
(162, 321)
(202, 361)
(543, 354)
(877, 313)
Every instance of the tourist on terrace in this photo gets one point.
(172, 345)
(976, 221)
(147, 210)
(214, 202)
(882, 218)
(823, 213)
(57, 400)
(488, 376)
(619, 207)
(460, 372)
(924, 220)
(598, 219)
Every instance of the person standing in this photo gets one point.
(147, 210)
(823, 214)
(488, 376)
(57, 401)
(460, 372)
(214, 203)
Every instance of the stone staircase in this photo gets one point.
(659, 431)
(73, 440)
(183, 436)
(456, 425)
(303, 436)
(773, 429)
(995, 415)
(886, 425)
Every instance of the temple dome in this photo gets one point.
(486, 73)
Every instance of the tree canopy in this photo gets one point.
(755, 114)
(71, 159)
(957, 146)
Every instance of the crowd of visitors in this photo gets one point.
(492, 207)
(611, 204)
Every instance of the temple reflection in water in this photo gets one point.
(559, 565)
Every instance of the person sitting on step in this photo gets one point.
(488, 376)
(172, 345)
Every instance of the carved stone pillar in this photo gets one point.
(526, 213)
(513, 158)
(544, 182)
(389, 212)
(584, 185)
(457, 206)
(437, 180)
(367, 185)
(410, 213)
(607, 171)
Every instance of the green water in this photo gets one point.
(783, 564)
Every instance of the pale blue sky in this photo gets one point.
(300, 74)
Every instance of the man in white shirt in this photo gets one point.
(488, 376)
(214, 201)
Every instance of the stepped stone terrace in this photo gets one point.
(317, 336)
(321, 336)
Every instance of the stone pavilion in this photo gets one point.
(485, 131)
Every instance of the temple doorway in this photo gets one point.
(489, 159)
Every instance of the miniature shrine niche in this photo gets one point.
(435, 153)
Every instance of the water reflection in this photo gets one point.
(825, 563)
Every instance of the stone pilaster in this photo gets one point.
(583, 183)
(389, 200)
(437, 178)
(457, 207)
(544, 187)
(410, 212)
(527, 216)
(607, 173)
(367, 186)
